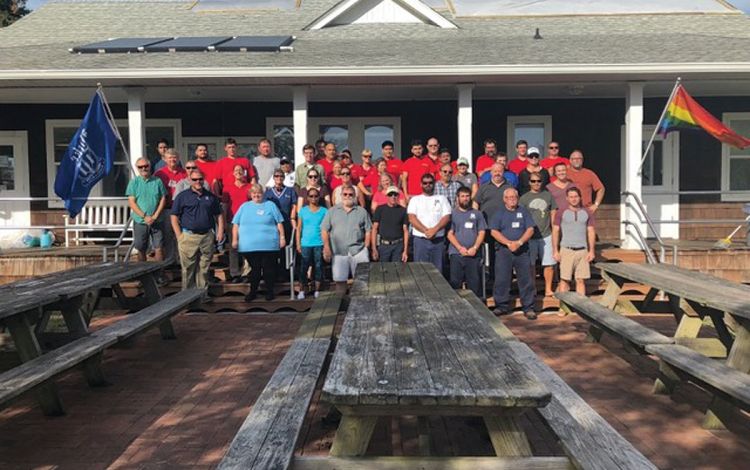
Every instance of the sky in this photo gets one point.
(743, 5)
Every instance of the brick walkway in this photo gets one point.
(177, 404)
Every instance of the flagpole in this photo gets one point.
(656, 128)
(113, 125)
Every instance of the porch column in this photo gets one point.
(136, 126)
(465, 122)
(299, 115)
(633, 154)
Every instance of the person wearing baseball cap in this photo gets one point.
(465, 177)
(391, 223)
(532, 168)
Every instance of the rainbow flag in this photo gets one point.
(683, 112)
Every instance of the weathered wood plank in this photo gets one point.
(612, 322)
(321, 319)
(508, 439)
(268, 435)
(589, 441)
(391, 279)
(376, 282)
(430, 463)
(353, 435)
(479, 307)
(360, 285)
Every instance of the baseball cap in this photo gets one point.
(533, 150)
(391, 189)
(285, 161)
(462, 161)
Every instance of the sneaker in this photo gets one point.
(316, 294)
(301, 295)
(498, 312)
(531, 315)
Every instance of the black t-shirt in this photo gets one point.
(523, 180)
(391, 220)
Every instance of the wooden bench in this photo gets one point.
(481, 308)
(729, 384)
(97, 217)
(634, 335)
(88, 350)
(586, 438)
(267, 437)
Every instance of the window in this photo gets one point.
(14, 176)
(536, 130)
(353, 133)
(59, 132)
(735, 163)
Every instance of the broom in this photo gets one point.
(725, 243)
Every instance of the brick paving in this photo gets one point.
(177, 404)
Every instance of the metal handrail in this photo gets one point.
(644, 216)
(118, 244)
(649, 254)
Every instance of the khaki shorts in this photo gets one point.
(574, 262)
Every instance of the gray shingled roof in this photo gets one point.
(42, 39)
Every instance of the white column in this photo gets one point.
(299, 114)
(633, 154)
(136, 123)
(465, 123)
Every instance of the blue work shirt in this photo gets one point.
(509, 176)
(284, 200)
(197, 212)
(512, 224)
(257, 225)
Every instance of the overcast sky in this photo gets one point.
(743, 5)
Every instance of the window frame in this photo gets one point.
(19, 140)
(51, 124)
(545, 120)
(726, 158)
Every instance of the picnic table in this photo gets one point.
(410, 345)
(695, 299)
(26, 303)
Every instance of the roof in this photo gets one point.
(40, 41)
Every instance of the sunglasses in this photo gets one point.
(535, 181)
(197, 179)
(533, 156)
(428, 183)
(142, 167)
(347, 194)
(345, 173)
(392, 194)
(191, 167)
(312, 176)
(278, 176)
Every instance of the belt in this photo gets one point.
(391, 242)
(433, 240)
(195, 232)
(579, 248)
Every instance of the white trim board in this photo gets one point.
(381, 11)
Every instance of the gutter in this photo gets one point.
(432, 71)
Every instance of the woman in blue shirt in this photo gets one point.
(310, 242)
(258, 235)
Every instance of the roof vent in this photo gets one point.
(537, 35)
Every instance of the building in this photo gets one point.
(591, 75)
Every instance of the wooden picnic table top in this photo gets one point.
(423, 345)
(28, 294)
(704, 289)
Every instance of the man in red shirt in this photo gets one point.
(360, 172)
(320, 149)
(394, 165)
(587, 181)
(485, 162)
(414, 168)
(517, 165)
(225, 166)
(170, 175)
(327, 161)
(433, 156)
(207, 166)
(553, 157)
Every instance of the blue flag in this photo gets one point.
(88, 159)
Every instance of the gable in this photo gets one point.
(379, 12)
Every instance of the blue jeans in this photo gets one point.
(390, 253)
(311, 256)
(468, 269)
(505, 262)
(430, 251)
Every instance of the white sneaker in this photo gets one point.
(316, 294)
(301, 296)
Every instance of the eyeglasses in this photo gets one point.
(313, 196)
(535, 181)
(345, 173)
(446, 172)
(428, 183)
(553, 147)
(197, 179)
(533, 156)
(312, 176)
(142, 167)
(347, 194)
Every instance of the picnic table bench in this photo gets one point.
(694, 298)
(74, 293)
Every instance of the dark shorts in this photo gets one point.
(142, 233)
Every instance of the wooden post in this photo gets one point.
(73, 316)
(738, 358)
(353, 436)
(153, 295)
(507, 437)
(614, 287)
(92, 370)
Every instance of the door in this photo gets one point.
(660, 180)
(14, 182)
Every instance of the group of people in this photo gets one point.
(529, 211)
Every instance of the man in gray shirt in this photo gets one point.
(264, 162)
(573, 242)
(542, 206)
(346, 235)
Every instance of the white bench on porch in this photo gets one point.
(96, 218)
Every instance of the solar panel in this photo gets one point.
(187, 44)
(118, 45)
(255, 44)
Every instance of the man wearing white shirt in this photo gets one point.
(429, 214)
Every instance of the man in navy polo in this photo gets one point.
(512, 227)
(196, 215)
